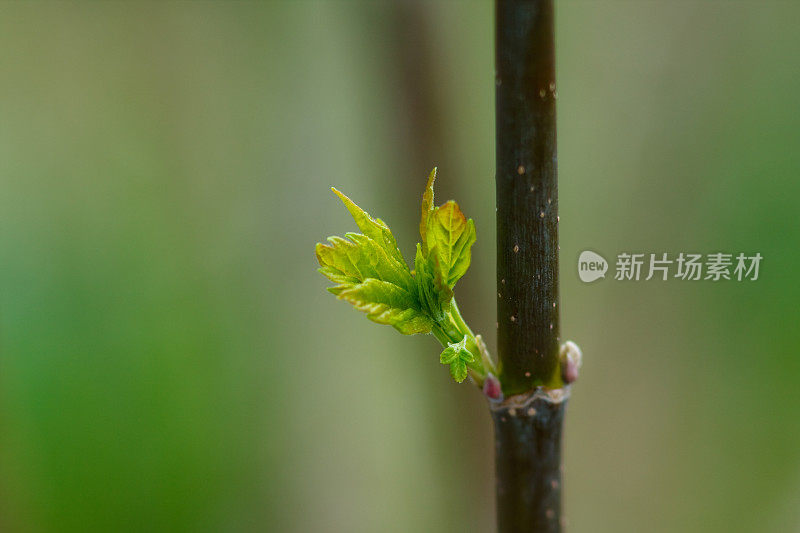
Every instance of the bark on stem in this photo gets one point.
(527, 430)
(527, 196)
(528, 426)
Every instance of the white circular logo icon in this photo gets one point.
(591, 266)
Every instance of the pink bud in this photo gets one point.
(492, 389)
(570, 372)
(571, 360)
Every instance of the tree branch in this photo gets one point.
(527, 196)
(528, 424)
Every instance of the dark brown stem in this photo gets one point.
(527, 196)
(528, 426)
(527, 430)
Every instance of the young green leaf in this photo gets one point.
(348, 262)
(450, 237)
(434, 294)
(427, 209)
(457, 356)
(372, 275)
(374, 228)
(386, 303)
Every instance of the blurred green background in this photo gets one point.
(170, 360)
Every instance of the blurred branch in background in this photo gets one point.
(419, 124)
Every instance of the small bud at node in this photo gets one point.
(491, 388)
(571, 361)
